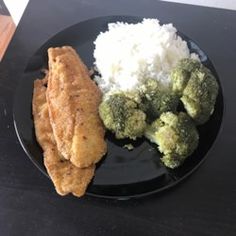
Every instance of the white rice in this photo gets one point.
(128, 54)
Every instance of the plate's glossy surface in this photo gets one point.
(121, 174)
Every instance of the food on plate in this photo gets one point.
(181, 73)
(136, 60)
(129, 146)
(66, 177)
(73, 100)
(67, 124)
(197, 87)
(176, 137)
(121, 115)
(126, 55)
(145, 72)
(156, 100)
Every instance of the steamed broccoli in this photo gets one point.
(176, 137)
(155, 99)
(199, 95)
(197, 87)
(181, 73)
(121, 115)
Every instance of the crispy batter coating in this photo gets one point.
(73, 100)
(66, 177)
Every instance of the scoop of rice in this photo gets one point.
(128, 54)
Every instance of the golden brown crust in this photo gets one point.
(66, 177)
(73, 100)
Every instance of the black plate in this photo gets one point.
(122, 174)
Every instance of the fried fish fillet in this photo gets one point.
(73, 100)
(66, 177)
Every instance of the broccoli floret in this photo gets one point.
(155, 99)
(181, 73)
(176, 137)
(121, 115)
(197, 87)
(199, 95)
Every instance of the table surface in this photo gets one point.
(204, 204)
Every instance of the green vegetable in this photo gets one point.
(181, 73)
(176, 137)
(129, 146)
(121, 115)
(197, 87)
(155, 99)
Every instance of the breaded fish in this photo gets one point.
(73, 100)
(66, 177)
